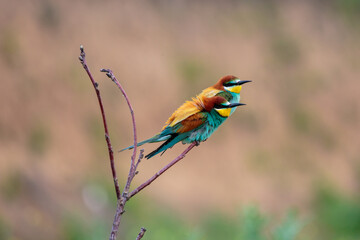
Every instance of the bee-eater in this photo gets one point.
(197, 119)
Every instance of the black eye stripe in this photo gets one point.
(218, 106)
(229, 84)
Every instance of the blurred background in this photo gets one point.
(286, 166)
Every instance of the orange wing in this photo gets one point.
(209, 92)
(186, 110)
(190, 108)
(191, 122)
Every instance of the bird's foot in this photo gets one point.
(197, 143)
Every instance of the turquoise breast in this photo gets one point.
(203, 132)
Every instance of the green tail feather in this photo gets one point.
(175, 138)
(139, 144)
(156, 138)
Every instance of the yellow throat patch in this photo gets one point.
(224, 112)
(234, 89)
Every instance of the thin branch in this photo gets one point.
(164, 169)
(117, 218)
(125, 196)
(108, 142)
(141, 156)
(132, 170)
(141, 234)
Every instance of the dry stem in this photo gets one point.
(125, 196)
(132, 169)
(141, 234)
(108, 142)
(164, 169)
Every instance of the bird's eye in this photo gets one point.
(229, 84)
(220, 106)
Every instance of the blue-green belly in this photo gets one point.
(203, 132)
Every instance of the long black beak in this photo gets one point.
(232, 105)
(242, 82)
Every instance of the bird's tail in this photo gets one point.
(139, 144)
(156, 138)
(175, 138)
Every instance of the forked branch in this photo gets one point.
(123, 197)
(107, 137)
(132, 169)
(164, 169)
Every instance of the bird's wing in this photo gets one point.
(209, 92)
(191, 107)
(186, 110)
(191, 122)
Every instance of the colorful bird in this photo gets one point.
(197, 119)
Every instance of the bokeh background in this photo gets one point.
(285, 166)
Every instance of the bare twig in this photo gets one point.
(132, 170)
(116, 223)
(108, 142)
(164, 169)
(141, 234)
(122, 201)
(141, 156)
(125, 196)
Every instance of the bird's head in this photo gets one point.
(221, 106)
(230, 83)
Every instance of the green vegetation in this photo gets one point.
(38, 139)
(337, 216)
(12, 186)
(334, 217)
(289, 228)
(250, 224)
(48, 15)
(260, 159)
(9, 46)
(307, 123)
(75, 228)
(163, 223)
(4, 230)
(191, 70)
(349, 9)
(285, 50)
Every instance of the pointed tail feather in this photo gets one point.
(139, 144)
(156, 138)
(175, 138)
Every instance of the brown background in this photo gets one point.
(300, 126)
